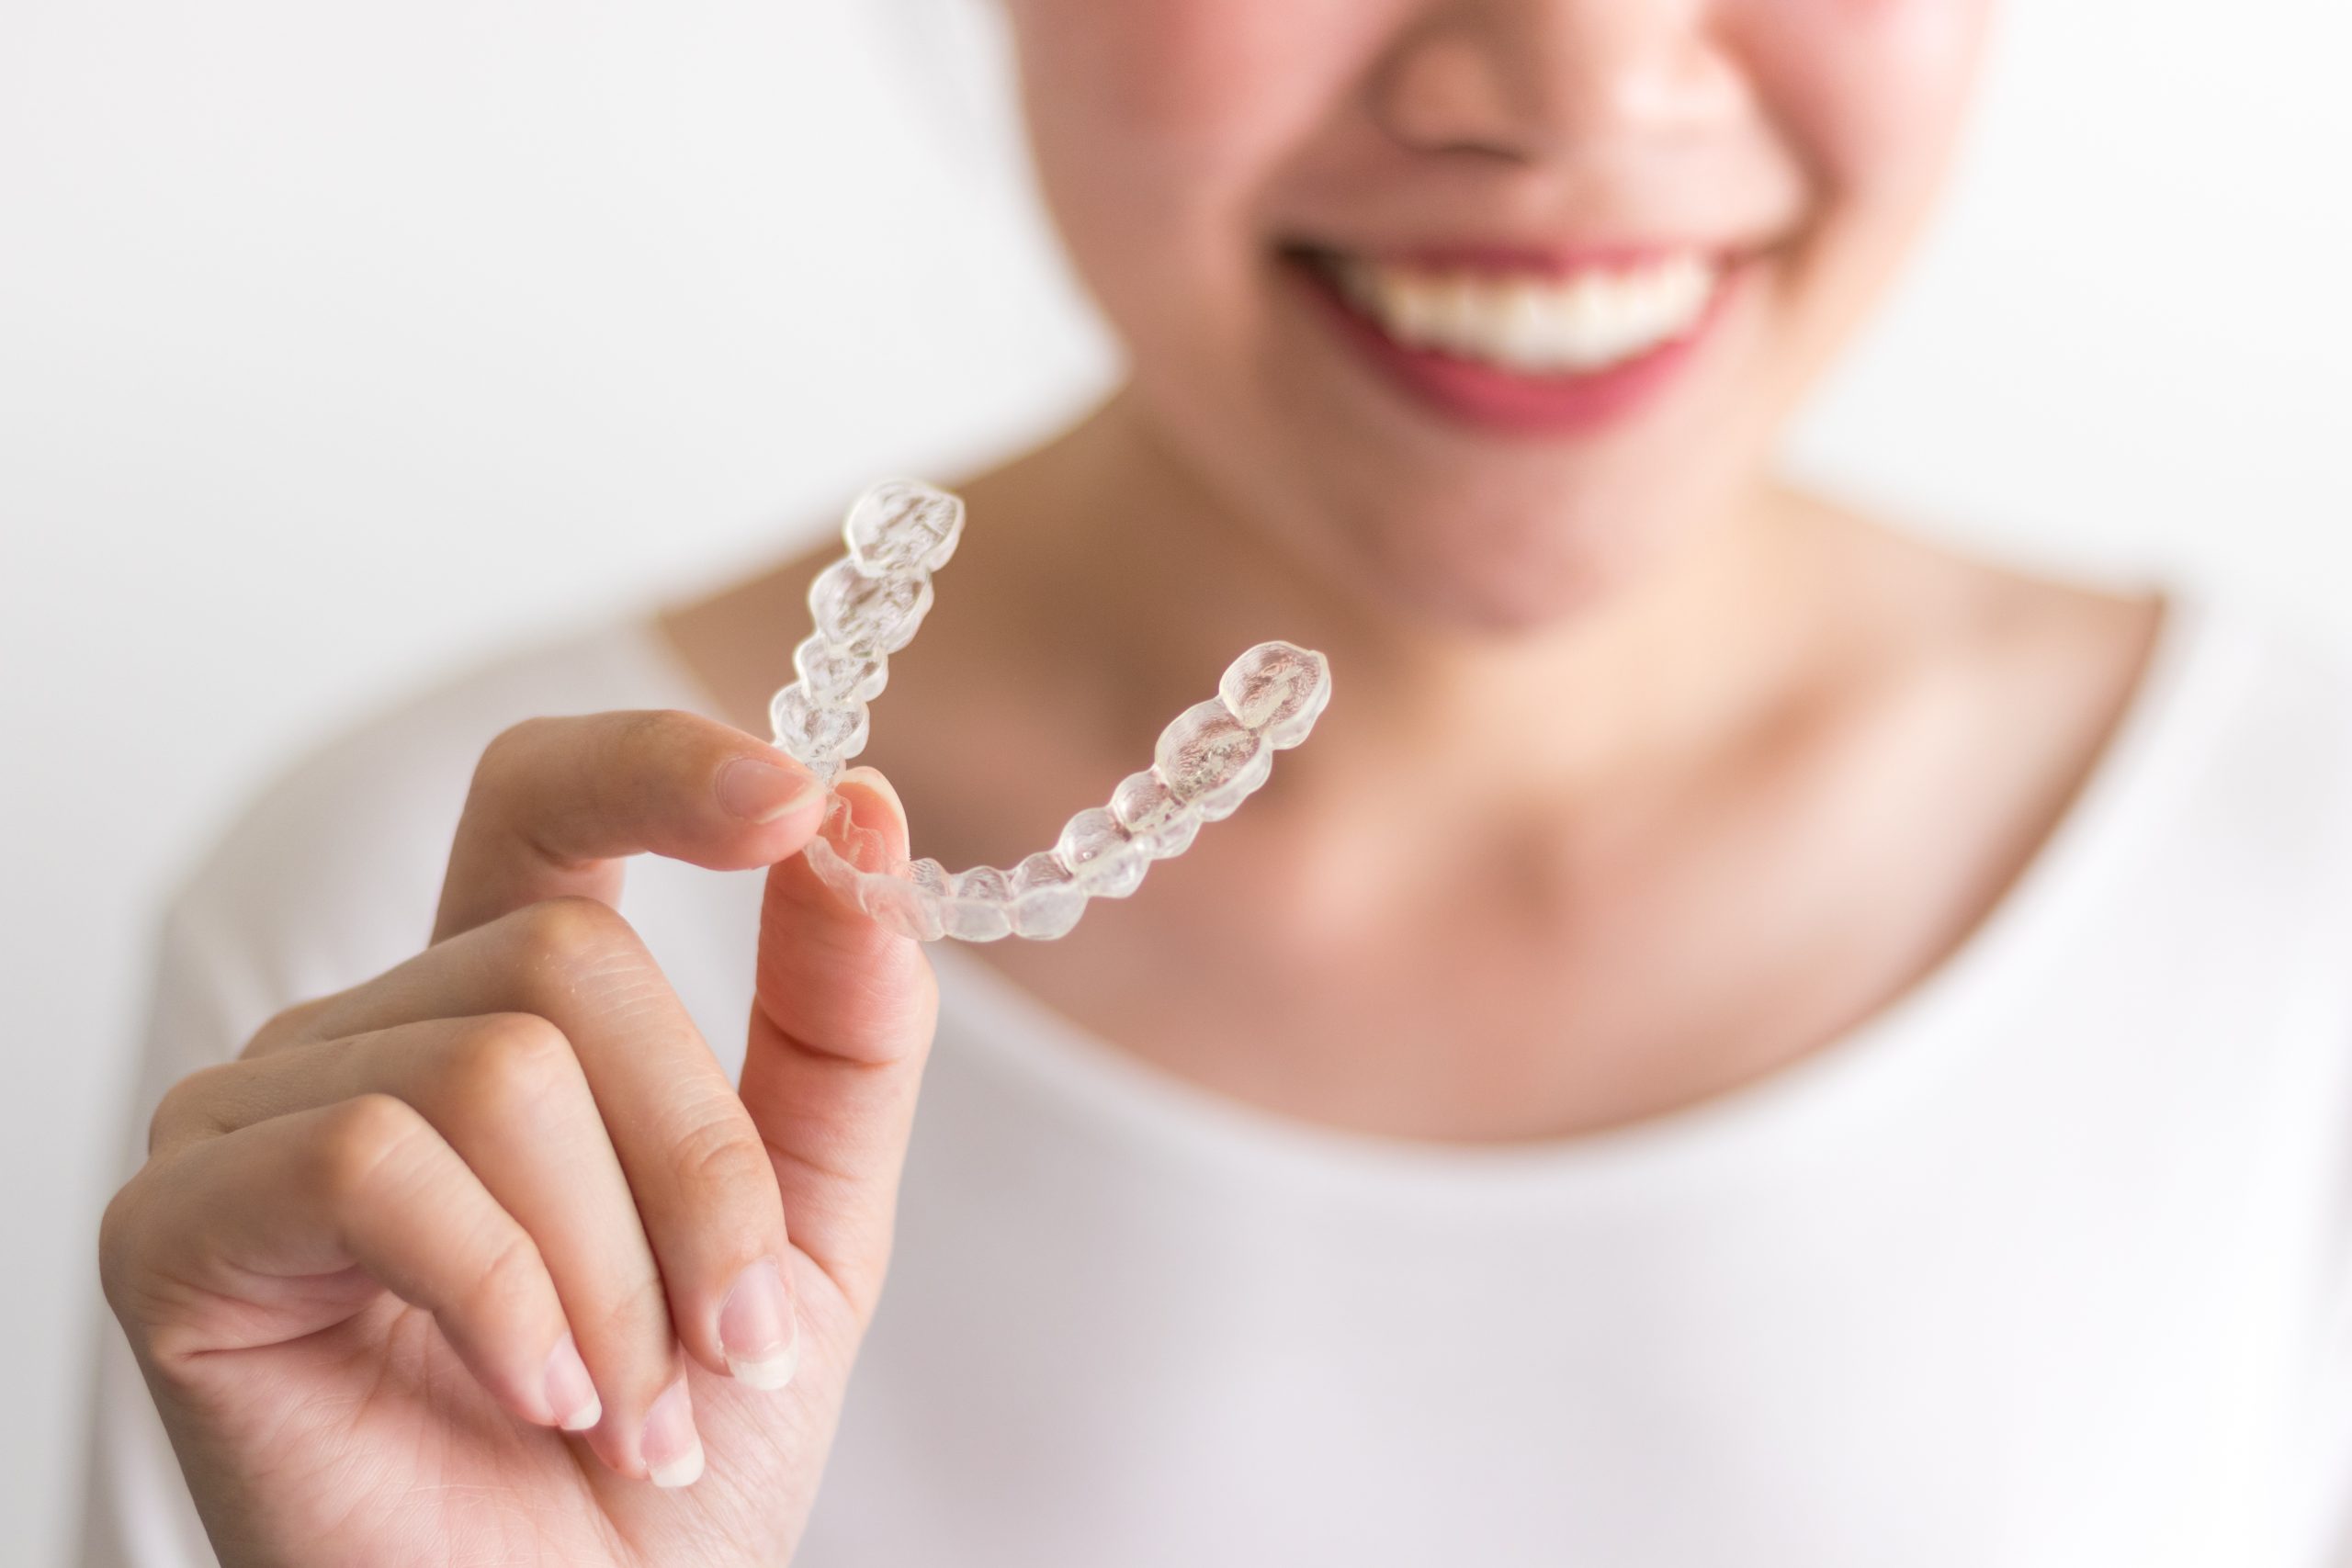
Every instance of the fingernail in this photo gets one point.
(762, 792)
(874, 779)
(673, 1450)
(572, 1396)
(757, 1328)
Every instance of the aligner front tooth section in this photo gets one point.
(870, 615)
(868, 605)
(977, 907)
(1046, 899)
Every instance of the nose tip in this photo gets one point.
(1527, 79)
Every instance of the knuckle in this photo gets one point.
(721, 1160)
(133, 1268)
(639, 1313)
(360, 1140)
(573, 933)
(661, 755)
(286, 1026)
(507, 1289)
(510, 1064)
(118, 1243)
(187, 1108)
(646, 737)
(501, 756)
(560, 950)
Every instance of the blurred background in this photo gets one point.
(340, 346)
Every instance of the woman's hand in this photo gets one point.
(454, 1266)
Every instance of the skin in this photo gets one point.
(1644, 776)
(1644, 771)
(360, 1256)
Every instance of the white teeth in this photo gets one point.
(1531, 323)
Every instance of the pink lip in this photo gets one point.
(1491, 398)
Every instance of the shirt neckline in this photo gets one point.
(1916, 1034)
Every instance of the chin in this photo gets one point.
(1503, 573)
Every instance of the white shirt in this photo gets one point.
(2049, 1262)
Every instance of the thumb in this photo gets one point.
(842, 1021)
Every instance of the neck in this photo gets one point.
(1147, 580)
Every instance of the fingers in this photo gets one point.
(550, 1094)
(557, 804)
(840, 1026)
(507, 1093)
(597, 1113)
(362, 1183)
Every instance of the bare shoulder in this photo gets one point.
(2069, 648)
(2073, 656)
(2098, 635)
(1991, 692)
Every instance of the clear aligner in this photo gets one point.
(868, 606)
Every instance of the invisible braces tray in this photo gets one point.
(866, 608)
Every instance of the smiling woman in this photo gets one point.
(1749, 1036)
(1780, 151)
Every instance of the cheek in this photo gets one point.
(1211, 93)
(1157, 129)
(1870, 91)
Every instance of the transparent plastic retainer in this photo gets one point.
(866, 608)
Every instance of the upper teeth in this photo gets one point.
(1526, 322)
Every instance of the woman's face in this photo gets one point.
(1473, 304)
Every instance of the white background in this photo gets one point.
(342, 344)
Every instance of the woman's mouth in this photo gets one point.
(1531, 346)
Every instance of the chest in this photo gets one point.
(1517, 995)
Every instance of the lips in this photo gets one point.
(1520, 344)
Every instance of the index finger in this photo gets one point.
(558, 803)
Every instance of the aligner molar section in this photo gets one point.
(1157, 822)
(860, 614)
(1211, 761)
(1277, 689)
(1100, 854)
(902, 527)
